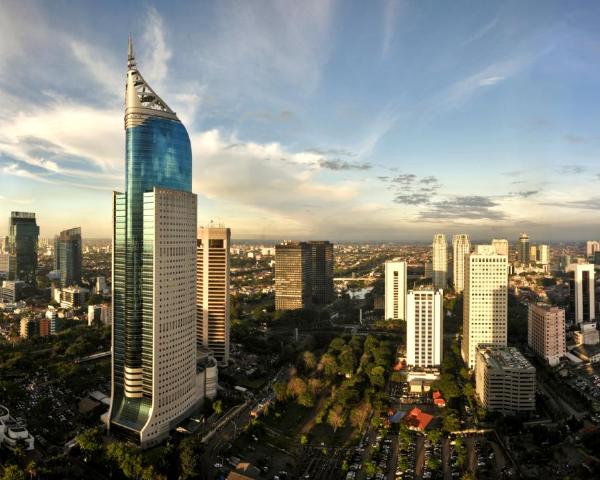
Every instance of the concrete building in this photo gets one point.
(43, 327)
(74, 297)
(523, 250)
(543, 253)
(13, 432)
(4, 266)
(500, 246)
(154, 364)
(582, 306)
(485, 301)
(440, 261)
(293, 288)
(28, 328)
(12, 291)
(591, 247)
(212, 291)
(533, 253)
(546, 332)
(587, 334)
(52, 317)
(395, 290)
(460, 247)
(207, 373)
(424, 328)
(505, 380)
(563, 262)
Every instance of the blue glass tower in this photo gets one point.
(154, 225)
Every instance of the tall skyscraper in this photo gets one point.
(533, 253)
(67, 256)
(395, 290)
(485, 302)
(23, 246)
(500, 246)
(460, 247)
(543, 252)
(424, 327)
(523, 249)
(293, 286)
(581, 292)
(212, 290)
(154, 272)
(440, 261)
(321, 271)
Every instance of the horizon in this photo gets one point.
(361, 130)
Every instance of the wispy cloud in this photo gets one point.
(468, 207)
(572, 169)
(337, 164)
(156, 51)
(391, 10)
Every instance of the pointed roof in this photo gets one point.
(141, 100)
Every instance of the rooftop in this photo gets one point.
(505, 358)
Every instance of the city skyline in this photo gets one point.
(382, 123)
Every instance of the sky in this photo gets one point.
(340, 120)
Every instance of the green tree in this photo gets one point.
(190, 451)
(280, 390)
(329, 365)
(13, 472)
(336, 417)
(377, 376)
(218, 407)
(347, 361)
(450, 423)
(90, 441)
(337, 344)
(359, 415)
(309, 361)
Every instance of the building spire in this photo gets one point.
(130, 56)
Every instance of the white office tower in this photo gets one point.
(581, 292)
(500, 246)
(485, 301)
(543, 253)
(440, 261)
(460, 247)
(212, 291)
(395, 290)
(591, 247)
(424, 327)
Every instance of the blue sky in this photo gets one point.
(328, 119)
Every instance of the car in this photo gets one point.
(218, 465)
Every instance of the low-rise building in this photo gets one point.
(13, 431)
(12, 291)
(28, 328)
(504, 380)
(546, 332)
(587, 334)
(74, 297)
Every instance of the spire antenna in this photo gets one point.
(130, 56)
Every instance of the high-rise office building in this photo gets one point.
(500, 246)
(505, 380)
(460, 247)
(563, 262)
(212, 290)
(581, 292)
(440, 261)
(395, 290)
(23, 246)
(591, 247)
(543, 254)
(546, 332)
(154, 368)
(67, 256)
(485, 301)
(293, 287)
(523, 250)
(533, 253)
(321, 253)
(424, 327)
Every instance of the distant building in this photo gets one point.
(460, 247)
(12, 291)
(13, 432)
(428, 270)
(505, 380)
(395, 290)
(212, 291)
(587, 334)
(523, 250)
(563, 262)
(68, 256)
(321, 252)
(52, 316)
(500, 246)
(23, 246)
(4, 265)
(267, 251)
(591, 247)
(533, 253)
(28, 328)
(440, 261)
(74, 297)
(581, 292)
(543, 254)
(101, 286)
(485, 304)
(546, 332)
(293, 289)
(43, 327)
(424, 327)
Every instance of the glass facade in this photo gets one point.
(158, 154)
(23, 246)
(68, 256)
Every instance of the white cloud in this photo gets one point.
(157, 53)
